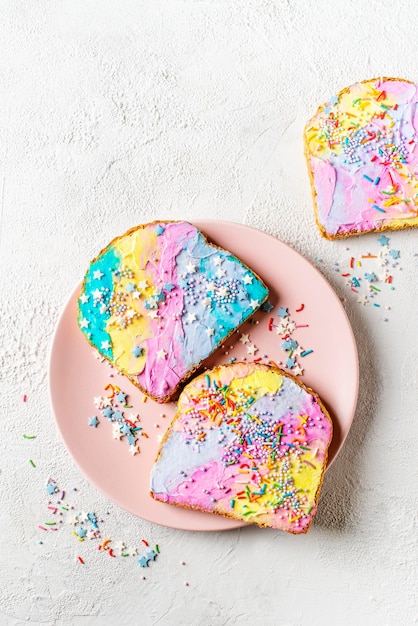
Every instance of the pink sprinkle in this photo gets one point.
(25, 398)
(302, 325)
(355, 290)
(42, 527)
(53, 509)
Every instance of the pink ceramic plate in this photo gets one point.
(76, 376)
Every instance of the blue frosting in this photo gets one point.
(107, 264)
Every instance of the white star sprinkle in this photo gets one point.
(191, 318)
(84, 298)
(362, 299)
(116, 434)
(252, 349)
(142, 285)
(134, 417)
(97, 275)
(153, 314)
(244, 338)
(254, 303)
(161, 354)
(103, 308)
(84, 323)
(247, 280)
(133, 450)
(105, 345)
(97, 294)
(191, 267)
(297, 370)
(220, 273)
(291, 326)
(223, 292)
(218, 260)
(98, 402)
(207, 302)
(210, 332)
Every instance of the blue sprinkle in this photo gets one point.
(306, 352)
(368, 178)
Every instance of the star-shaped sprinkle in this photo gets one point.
(84, 298)
(395, 254)
(125, 429)
(121, 397)
(168, 286)
(362, 299)
(191, 318)
(84, 323)
(153, 314)
(119, 546)
(254, 304)
(133, 417)
(72, 520)
(97, 275)
(283, 312)
(223, 292)
(131, 439)
(81, 532)
(252, 349)
(244, 338)
(159, 230)
(137, 351)
(161, 354)
(297, 370)
(248, 279)
(220, 273)
(206, 302)
(133, 450)
(132, 551)
(383, 240)
(117, 415)
(130, 287)
(143, 562)
(333, 100)
(83, 517)
(290, 326)
(142, 285)
(191, 267)
(210, 332)
(93, 421)
(116, 434)
(218, 260)
(267, 306)
(371, 277)
(281, 329)
(97, 294)
(91, 534)
(290, 362)
(151, 555)
(98, 401)
(105, 345)
(51, 488)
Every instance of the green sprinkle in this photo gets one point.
(232, 504)
(310, 509)
(50, 523)
(375, 288)
(65, 508)
(127, 406)
(29, 436)
(156, 548)
(303, 448)
(249, 513)
(32, 463)
(125, 554)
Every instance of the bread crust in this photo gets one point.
(174, 392)
(231, 515)
(353, 232)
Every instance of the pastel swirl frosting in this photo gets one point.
(160, 299)
(248, 441)
(362, 154)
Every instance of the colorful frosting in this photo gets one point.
(362, 155)
(249, 442)
(160, 299)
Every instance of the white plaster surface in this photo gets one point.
(114, 113)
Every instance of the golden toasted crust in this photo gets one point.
(174, 393)
(213, 372)
(307, 153)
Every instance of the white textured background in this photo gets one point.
(117, 112)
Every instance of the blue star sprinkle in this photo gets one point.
(267, 306)
(51, 488)
(81, 532)
(137, 351)
(168, 286)
(290, 363)
(130, 287)
(93, 421)
(143, 562)
(125, 429)
(121, 397)
(150, 555)
(107, 412)
(117, 415)
(159, 230)
(383, 240)
(395, 254)
(370, 277)
(283, 312)
(131, 440)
